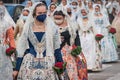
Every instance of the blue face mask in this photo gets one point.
(41, 18)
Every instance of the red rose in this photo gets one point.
(59, 65)
(98, 37)
(10, 51)
(74, 47)
(112, 30)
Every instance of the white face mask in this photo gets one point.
(58, 21)
(74, 7)
(97, 13)
(84, 17)
(24, 18)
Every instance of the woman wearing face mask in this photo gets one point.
(88, 43)
(75, 10)
(69, 37)
(38, 47)
(101, 26)
(6, 40)
(20, 23)
(70, 13)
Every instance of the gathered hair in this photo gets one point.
(38, 5)
(59, 13)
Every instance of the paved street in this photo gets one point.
(111, 71)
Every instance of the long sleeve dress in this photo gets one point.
(116, 24)
(34, 65)
(108, 49)
(76, 66)
(89, 46)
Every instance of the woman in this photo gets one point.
(88, 43)
(52, 7)
(100, 24)
(38, 47)
(20, 23)
(75, 10)
(63, 4)
(81, 4)
(90, 8)
(6, 40)
(76, 69)
(116, 24)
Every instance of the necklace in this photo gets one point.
(39, 27)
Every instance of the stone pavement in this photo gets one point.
(111, 71)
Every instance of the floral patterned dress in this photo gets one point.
(76, 66)
(108, 49)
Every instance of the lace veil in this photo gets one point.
(72, 26)
(4, 24)
(52, 36)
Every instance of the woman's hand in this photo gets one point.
(15, 74)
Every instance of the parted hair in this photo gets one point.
(38, 5)
(59, 13)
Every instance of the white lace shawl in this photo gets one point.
(52, 40)
(82, 28)
(4, 25)
(52, 37)
(72, 26)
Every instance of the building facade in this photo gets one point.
(13, 1)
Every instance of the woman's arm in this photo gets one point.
(56, 43)
(16, 31)
(77, 39)
(10, 36)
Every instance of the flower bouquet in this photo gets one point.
(112, 30)
(11, 53)
(76, 50)
(98, 37)
(59, 68)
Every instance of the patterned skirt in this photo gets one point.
(76, 66)
(36, 69)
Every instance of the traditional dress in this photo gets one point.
(116, 24)
(38, 60)
(108, 49)
(76, 66)
(89, 46)
(6, 40)
(19, 27)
